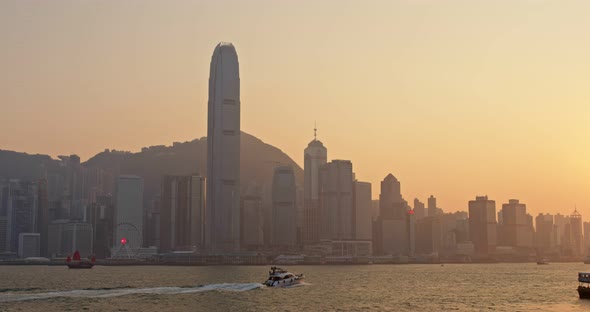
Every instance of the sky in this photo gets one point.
(455, 98)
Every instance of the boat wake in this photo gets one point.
(124, 291)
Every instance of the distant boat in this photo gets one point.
(584, 285)
(542, 262)
(78, 263)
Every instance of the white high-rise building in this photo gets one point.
(129, 216)
(284, 209)
(223, 152)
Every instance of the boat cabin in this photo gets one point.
(584, 286)
(584, 279)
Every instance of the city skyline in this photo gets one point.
(464, 121)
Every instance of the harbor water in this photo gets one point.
(462, 287)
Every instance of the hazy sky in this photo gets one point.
(455, 98)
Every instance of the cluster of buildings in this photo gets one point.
(331, 216)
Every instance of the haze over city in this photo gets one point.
(456, 98)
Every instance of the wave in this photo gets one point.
(124, 291)
(17, 289)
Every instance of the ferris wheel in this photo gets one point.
(128, 240)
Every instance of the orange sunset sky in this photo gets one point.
(455, 98)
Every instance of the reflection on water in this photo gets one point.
(469, 287)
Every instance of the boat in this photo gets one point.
(278, 277)
(542, 262)
(584, 285)
(78, 263)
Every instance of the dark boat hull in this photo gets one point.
(584, 292)
(80, 265)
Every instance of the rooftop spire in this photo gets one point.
(315, 131)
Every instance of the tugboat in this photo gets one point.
(584, 286)
(77, 263)
(278, 277)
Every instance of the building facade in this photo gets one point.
(129, 211)
(182, 213)
(223, 152)
(483, 225)
(315, 156)
(284, 208)
(336, 203)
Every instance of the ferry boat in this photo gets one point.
(78, 263)
(278, 277)
(584, 286)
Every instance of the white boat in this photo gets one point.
(278, 277)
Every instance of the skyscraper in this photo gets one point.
(315, 156)
(252, 218)
(419, 211)
(20, 208)
(546, 236)
(577, 239)
(482, 225)
(129, 206)
(393, 236)
(284, 210)
(223, 151)
(363, 222)
(182, 211)
(336, 211)
(391, 202)
(432, 210)
(515, 230)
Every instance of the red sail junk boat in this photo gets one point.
(77, 263)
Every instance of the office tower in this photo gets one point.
(419, 210)
(223, 152)
(577, 238)
(390, 199)
(4, 242)
(395, 221)
(73, 187)
(284, 210)
(251, 227)
(315, 156)
(29, 245)
(429, 232)
(515, 230)
(586, 250)
(482, 225)
(182, 212)
(363, 221)
(375, 209)
(336, 209)
(101, 217)
(545, 237)
(42, 215)
(20, 209)
(65, 237)
(129, 207)
(560, 222)
(432, 209)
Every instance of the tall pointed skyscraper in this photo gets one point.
(315, 156)
(223, 151)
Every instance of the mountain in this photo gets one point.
(24, 166)
(258, 160)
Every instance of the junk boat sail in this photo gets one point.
(584, 286)
(278, 277)
(77, 263)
